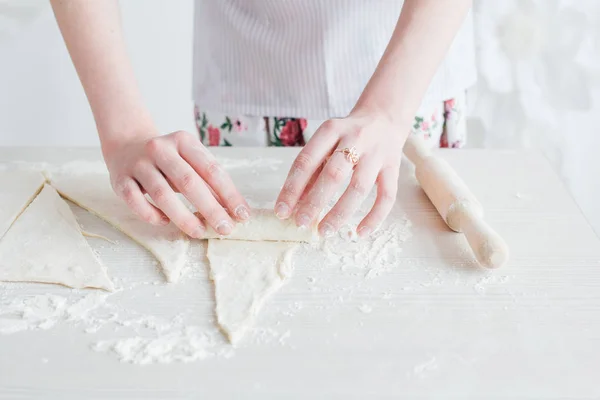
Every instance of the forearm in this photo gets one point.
(423, 34)
(93, 35)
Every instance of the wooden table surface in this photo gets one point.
(430, 325)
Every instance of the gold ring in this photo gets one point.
(351, 154)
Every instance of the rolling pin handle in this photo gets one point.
(489, 248)
(416, 150)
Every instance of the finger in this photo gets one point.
(306, 191)
(192, 186)
(130, 192)
(387, 188)
(177, 190)
(219, 181)
(311, 184)
(180, 195)
(362, 182)
(334, 173)
(165, 198)
(310, 158)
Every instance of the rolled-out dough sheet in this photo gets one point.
(94, 193)
(45, 244)
(245, 274)
(264, 225)
(17, 190)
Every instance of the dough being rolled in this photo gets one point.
(264, 225)
(45, 244)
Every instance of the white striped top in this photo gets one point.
(304, 58)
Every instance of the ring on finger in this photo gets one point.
(351, 154)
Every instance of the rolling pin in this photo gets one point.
(457, 205)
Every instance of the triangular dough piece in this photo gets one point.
(45, 245)
(94, 193)
(18, 189)
(245, 274)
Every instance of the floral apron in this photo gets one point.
(443, 125)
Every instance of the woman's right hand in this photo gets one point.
(178, 162)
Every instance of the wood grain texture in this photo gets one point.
(438, 326)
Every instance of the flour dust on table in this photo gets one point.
(149, 339)
(43, 311)
(45, 244)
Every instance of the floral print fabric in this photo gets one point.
(443, 125)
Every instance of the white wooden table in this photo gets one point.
(433, 325)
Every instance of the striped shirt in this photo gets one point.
(304, 58)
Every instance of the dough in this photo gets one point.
(249, 265)
(94, 193)
(19, 188)
(245, 274)
(264, 225)
(45, 244)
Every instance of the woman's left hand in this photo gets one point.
(321, 167)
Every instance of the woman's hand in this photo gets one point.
(141, 163)
(162, 165)
(377, 127)
(320, 169)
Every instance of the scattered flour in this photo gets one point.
(267, 336)
(44, 311)
(39, 312)
(156, 340)
(284, 337)
(481, 284)
(185, 345)
(374, 256)
(423, 369)
(365, 308)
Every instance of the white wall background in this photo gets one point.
(41, 100)
(539, 86)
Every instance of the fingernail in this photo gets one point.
(327, 230)
(242, 213)
(224, 228)
(198, 232)
(282, 210)
(303, 221)
(364, 231)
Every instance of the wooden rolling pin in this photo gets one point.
(456, 204)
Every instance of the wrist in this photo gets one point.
(396, 118)
(112, 140)
(118, 124)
